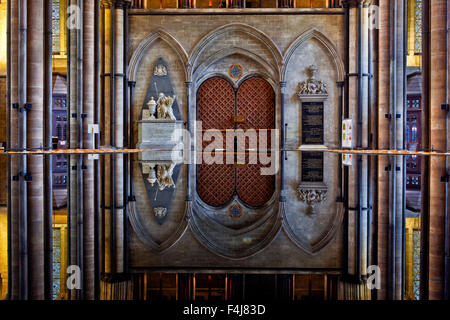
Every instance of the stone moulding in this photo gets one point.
(145, 237)
(313, 248)
(146, 44)
(326, 43)
(250, 31)
(199, 71)
(272, 224)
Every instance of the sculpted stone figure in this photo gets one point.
(303, 88)
(322, 87)
(164, 107)
(164, 176)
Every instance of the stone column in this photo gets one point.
(188, 148)
(14, 160)
(399, 167)
(358, 102)
(437, 137)
(73, 99)
(390, 136)
(382, 199)
(119, 133)
(107, 132)
(285, 3)
(81, 114)
(88, 143)
(353, 109)
(48, 159)
(236, 4)
(186, 4)
(283, 144)
(102, 138)
(35, 140)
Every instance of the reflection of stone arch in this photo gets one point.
(250, 31)
(147, 42)
(325, 43)
(323, 240)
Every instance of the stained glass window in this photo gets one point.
(56, 25)
(418, 27)
(56, 261)
(416, 264)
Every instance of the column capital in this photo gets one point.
(122, 4)
(356, 3)
(106, 3)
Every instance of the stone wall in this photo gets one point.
(278, 47)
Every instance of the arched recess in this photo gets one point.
(201, 70)
(326, 43)
(250, 31)
(157, 238)
(312, 241)
(147, 42)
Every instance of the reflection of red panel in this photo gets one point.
(215, 183)
(215, 105)
(256, 104)
(253, 188)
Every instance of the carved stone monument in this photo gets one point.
(312, 94)
(161, 130)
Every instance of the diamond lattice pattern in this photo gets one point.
(217, 105)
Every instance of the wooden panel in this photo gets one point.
(215, 107)
(256, 104)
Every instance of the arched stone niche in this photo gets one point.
(311, 232)
(156, 236)
(214, 54)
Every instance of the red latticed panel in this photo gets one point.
(256, 105)
(215, 105)
(215, 183)
(253, 188)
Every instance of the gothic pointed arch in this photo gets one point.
(324, 41)
(251, 32)
(147, 42)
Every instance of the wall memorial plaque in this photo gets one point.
(312, 166)
(312, 94)
(312, 123)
